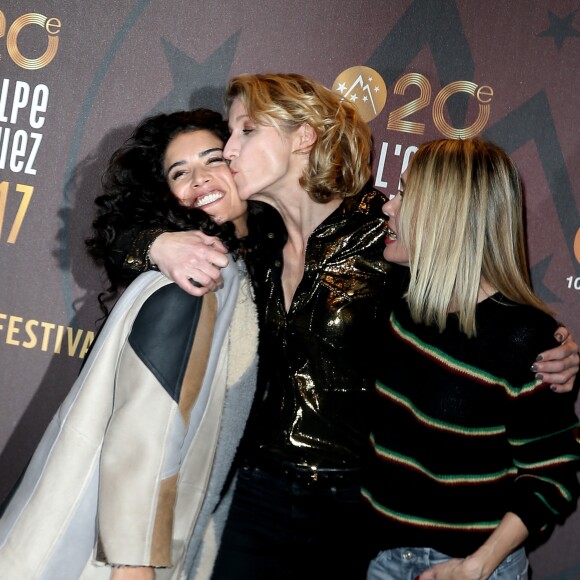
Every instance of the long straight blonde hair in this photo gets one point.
(462, 220)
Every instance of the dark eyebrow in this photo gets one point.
(201, 155)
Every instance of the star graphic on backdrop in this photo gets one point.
(197, 84)
(560, 28)
(538, 273)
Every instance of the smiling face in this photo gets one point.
(260, 156)
(199, 176)
(395, 251)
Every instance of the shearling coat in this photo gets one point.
(130, 470)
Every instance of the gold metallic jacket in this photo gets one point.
(317, 360)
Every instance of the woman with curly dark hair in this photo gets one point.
(128, 475)
(136, 192)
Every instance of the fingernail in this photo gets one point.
(540, 377)
(558, 337)
(553, 388)
(534, 368)
(539, 358)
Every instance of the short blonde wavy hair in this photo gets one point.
(462, 220)
(340, 160)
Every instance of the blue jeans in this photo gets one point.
(282, 528)
(408, 563)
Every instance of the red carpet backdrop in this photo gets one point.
(75, 77)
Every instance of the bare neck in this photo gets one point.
(301, 217)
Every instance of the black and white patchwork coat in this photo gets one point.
(130, 470)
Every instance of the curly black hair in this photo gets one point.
(136, 196)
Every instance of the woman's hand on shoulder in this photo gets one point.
(559, 366)
(191, 259)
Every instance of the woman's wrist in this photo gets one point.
(139, 259)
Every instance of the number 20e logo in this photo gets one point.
(50, 25)
(364, 87)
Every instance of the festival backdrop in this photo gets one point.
(75, 78)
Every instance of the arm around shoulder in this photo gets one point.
(559, 366)
(191, 259)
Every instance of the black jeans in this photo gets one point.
(285, 528)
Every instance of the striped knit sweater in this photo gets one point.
(462, 432)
